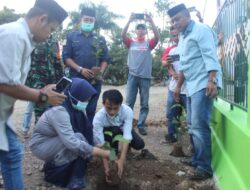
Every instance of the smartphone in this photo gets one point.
(175, 57)
(62, 84)
(139, 16)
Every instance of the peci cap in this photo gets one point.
(88, 11)
(140, 26)
(176, 9)
(54, 10)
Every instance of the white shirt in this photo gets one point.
(176, 66)
(124, 120)
(16, 47)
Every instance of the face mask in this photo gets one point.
(87, 27)
(80, 106)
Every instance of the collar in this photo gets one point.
(27, 28)
(189, 28)
(80, 33)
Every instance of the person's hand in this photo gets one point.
(211, 90)
(169, 60)
(132, 17)
(54, 98)
(87, 73)
(177, 92)
(148, 18)
(120, 166)
(175, 76)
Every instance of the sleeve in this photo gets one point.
(11, 56)
(207, 44)
(165, 53)
(98, 128)
(60, 121)
(127, 42)
(128, 123)
(105, 54)
(152, 43)
(67, 48)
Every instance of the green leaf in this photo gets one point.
(112, 155)
(109, 133)
(106, 146)
(120, 138)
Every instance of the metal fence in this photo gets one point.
(231, 27)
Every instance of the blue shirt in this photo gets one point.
(197, 46)
(86, 51)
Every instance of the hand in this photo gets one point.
(177, 94)
(132, 17)
(148, 18)
(87, 73)
(54, 98)
(175, 76)
(169, 60)
(211, 90)
(120, 165)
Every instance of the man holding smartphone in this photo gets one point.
(140, 66)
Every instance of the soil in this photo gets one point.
(151, 169)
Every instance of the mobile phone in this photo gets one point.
(139, 16)
(175, 57)
(191, 9)
(62, 84)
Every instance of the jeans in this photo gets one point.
(173, 112)
(91, 108)
(11, 163)
(199, 108)
(27, 116)
(143, 84)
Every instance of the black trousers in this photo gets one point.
(137, 142)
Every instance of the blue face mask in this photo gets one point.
(80, 106)
(87, 27)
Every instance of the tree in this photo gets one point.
(8, 15)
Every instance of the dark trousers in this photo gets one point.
(136, 142)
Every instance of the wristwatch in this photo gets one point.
(213, 80)
(42, 98)
(79, 69)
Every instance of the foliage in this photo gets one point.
(8, 15)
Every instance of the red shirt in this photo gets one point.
(152, 42)
(166, 52)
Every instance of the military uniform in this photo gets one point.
(46, 68)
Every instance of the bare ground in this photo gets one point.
(163, 173)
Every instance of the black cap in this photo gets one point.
(88, 11)
(178, 8)
(54, 10)
(140, 26)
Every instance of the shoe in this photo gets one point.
(77, 184)
(170, 139)
(200, 175)
(142, 131)
(188, 162)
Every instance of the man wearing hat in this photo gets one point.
(18, 40)
(202, 72)
(86, 54)
(140, 66)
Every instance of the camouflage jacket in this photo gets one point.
(46, 68)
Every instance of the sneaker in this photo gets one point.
(77, 184)
(142, 131)
(188, 162)
(199, 175)
(170, 139)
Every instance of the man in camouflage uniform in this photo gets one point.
(46, 68)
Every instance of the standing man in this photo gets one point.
(17, 42)
(86, 54)
(171, 61)
(46, 68)
(140, 66)
(202, 72)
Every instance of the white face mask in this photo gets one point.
(80, 106)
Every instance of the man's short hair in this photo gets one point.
(140, 26)
(113, 95)
(88, 11)
(176, 9)
(54, 11)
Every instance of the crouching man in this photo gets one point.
(113, 125)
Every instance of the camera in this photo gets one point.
(175, 57)
(139, 16)
(62, 84)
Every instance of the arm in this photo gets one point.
(125, 30)
(178, 87)
(155, 30)
(120, 162)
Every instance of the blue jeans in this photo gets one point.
(133, 84)
(27, 116)
(199, 109)
(91, 108)
(173, 112)
(11, 163)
